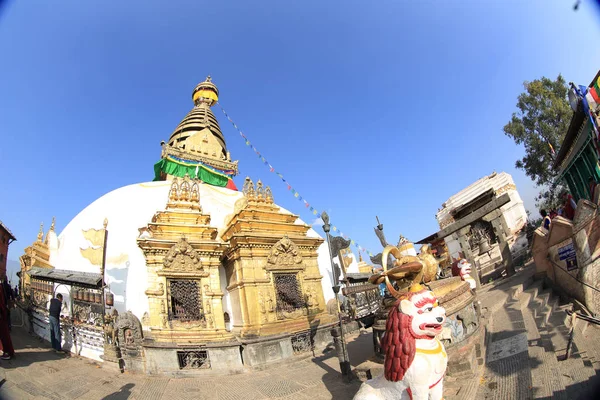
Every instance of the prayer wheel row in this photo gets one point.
(42, 287)
(87, 295)
(93, 297)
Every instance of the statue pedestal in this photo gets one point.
(112, 357)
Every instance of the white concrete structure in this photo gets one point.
(513, 212)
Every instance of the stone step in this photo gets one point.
(507, 370)
(542, 307)
(529, 294)
(587, 338)
(577, 374)
(576, 371)
(545, 369)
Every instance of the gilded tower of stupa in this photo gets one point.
(197, 146)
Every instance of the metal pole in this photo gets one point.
(337, 332)
(103, 270)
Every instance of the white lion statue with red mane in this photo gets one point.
(415, 360)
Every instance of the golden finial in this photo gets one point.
(360, 256)
(105, 223)
(173, 192)
(208, 79)
(248, 189)
(416, 287)
(195, 196)
(268, 195)
(260, 191)
(40, 235)
(52, 224)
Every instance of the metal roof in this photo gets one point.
(577, 119)
(7, 230)
(87, 279)
(358, 276)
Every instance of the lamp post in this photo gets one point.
(337, 332)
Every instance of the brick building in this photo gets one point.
(6, 238)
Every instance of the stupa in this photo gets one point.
(203, 276)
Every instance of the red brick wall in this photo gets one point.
(4, 239)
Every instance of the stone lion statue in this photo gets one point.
(415, 361)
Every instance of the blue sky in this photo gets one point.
(381, 108)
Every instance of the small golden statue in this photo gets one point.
(407, 270)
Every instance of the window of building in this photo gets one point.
(184, 298)
(289, 294)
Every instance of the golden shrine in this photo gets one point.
(36, 255)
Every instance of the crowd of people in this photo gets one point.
(7, 299)
(8, 296)
(568, 207)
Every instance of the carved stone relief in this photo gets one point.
(182, 258)
(284, 253)
(129, 333)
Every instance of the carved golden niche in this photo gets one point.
(182, 259)
(285, 254)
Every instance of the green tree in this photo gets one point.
(540, 124)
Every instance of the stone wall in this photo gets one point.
(569, 255)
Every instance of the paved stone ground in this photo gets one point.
(38, 373)
(517, 363)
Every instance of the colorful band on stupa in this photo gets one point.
(197, 146)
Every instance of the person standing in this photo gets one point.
(9, 299)
(546, 221)
(569, 206)
(54, 311)
(592, 188)
(8, 350)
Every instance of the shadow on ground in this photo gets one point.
(27, 353)
(121, 394)
(360, 349)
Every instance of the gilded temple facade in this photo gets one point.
(200, 276)
(36, 255)
(272, 270)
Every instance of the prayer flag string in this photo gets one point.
(289, 186)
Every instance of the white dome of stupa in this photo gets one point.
(128, 211)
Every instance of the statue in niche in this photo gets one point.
(208, 307)
(129, 342)
(261, 306)
(129, 331)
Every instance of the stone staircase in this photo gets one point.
(548, 327)
(526, 355)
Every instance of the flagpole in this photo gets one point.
(102, 271)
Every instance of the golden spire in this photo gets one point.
(40, 235)
(52, 224)
(360, 256)
(205, 92)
